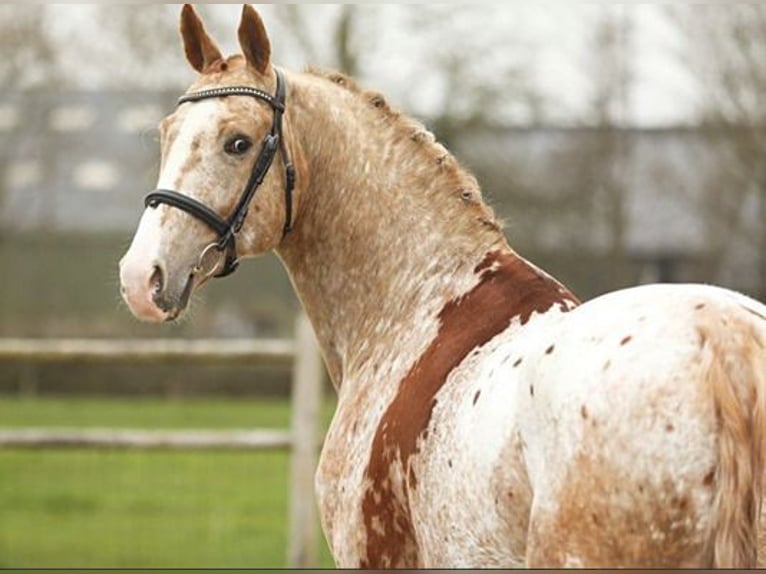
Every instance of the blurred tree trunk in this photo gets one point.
(344, 52)
(725, 53)
(610, 68)
(29, 60)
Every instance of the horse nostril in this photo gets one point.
(156, 281)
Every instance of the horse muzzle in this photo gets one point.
(151, 293)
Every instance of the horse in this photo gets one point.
(486, 417)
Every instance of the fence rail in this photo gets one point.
(271, 352)
(261, 439)
(302, 440)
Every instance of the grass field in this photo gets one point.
(105, 509)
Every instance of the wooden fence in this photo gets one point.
(303, 438)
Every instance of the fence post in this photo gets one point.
(306, 405)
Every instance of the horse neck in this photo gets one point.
(389, 229)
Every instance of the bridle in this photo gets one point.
(227, 229)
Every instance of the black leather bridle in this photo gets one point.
(227, 229)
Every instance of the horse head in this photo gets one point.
(223, 143)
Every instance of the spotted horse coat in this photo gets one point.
(533, 431)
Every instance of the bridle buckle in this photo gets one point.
(201, 263)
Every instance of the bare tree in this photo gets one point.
(475, 79)
(724, 51)
(483, 78)
(610, 68)
(340, 24)
(29, 60)
(140, 44)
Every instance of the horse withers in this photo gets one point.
(485, 417)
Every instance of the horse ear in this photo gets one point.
(200, 48)
(253, 39)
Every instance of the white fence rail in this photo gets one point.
(302, 440)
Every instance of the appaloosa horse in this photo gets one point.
(485, 417)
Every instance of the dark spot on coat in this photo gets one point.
(669, 427)
(531, 390)
(699, 306)
(508, 289)
(517, 363)
(549, 350)
(626, 340)
(476, 396)
(607, 365)
(594, 518)
(707, 480)
(583, 412)
(449, 463)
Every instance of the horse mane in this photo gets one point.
(433, 153)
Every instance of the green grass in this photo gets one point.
(101, 509)
(151, 413)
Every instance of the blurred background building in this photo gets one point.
(620, 144)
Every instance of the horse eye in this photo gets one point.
(237, 145)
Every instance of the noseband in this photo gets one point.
(227, 229)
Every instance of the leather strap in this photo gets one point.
(189, 205)
(226, 229)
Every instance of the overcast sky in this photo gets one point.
(552, 40)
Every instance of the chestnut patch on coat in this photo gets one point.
(615, 535)
(509, 287)
(626, 340)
